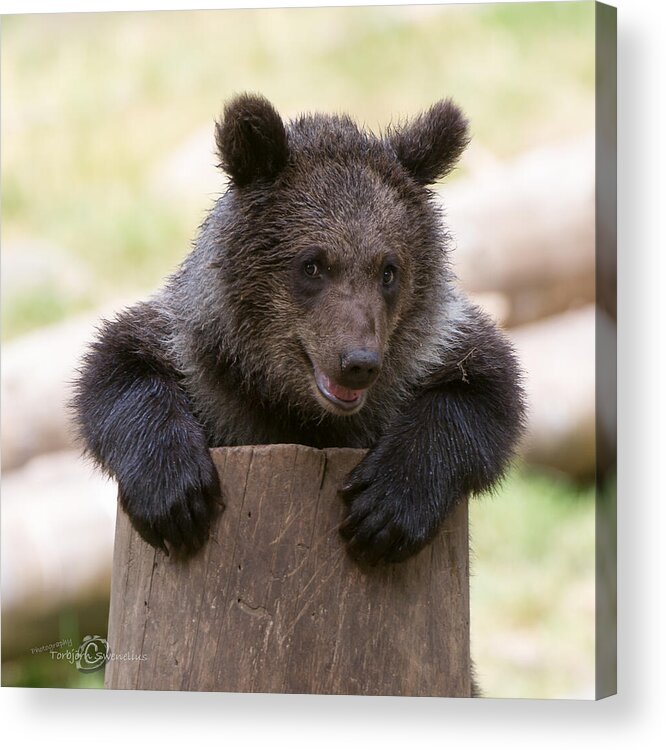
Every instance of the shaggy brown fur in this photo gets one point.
(317, 307)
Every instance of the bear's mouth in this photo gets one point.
(345, 399)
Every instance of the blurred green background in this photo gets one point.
(96, 111)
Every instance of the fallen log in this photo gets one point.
(558, 358)
(526, 229)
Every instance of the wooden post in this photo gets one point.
(273, 603)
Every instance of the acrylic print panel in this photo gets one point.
(318, 313)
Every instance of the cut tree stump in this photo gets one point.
(273, 603)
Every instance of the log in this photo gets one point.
(35, 419)
(273, 603)
(526, 229)
(557, 356)
(57, 544)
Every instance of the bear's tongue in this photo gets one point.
(344, 394)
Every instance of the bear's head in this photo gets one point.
(330, 250)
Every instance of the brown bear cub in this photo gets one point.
(317, 307)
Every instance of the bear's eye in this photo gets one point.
(388, 276)
(311, 269)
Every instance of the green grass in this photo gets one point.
(39, 305)
(43, 670)
(532, 592)
(40, 670)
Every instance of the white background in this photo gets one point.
(635, 718)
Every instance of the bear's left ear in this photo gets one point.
(429, 146)
(251, 140)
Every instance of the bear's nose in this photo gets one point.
(359, 368)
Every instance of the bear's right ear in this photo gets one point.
(429, 146)
(251, 140)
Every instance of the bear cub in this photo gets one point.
(317, 307)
